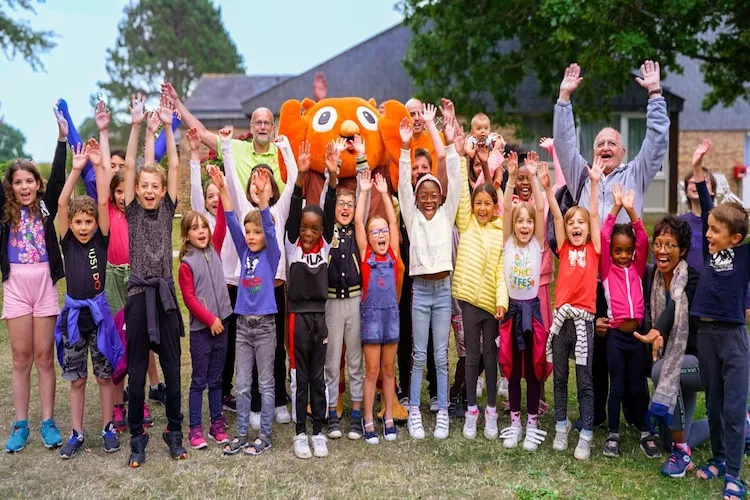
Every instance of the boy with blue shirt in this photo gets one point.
(722, 333)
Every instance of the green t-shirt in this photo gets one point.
(245, 158)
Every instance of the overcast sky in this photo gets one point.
(274, 37)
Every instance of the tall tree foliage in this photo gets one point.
(12, 142)
(18, 37)
(463, 49)
(174, 40)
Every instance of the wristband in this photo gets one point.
(654, 91)
(509, 185)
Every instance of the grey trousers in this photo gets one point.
(256, 345)
(342, 320)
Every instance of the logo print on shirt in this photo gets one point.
(250, 281)
(723, 261)
(521, 275)
(577, 257)
(94, 266)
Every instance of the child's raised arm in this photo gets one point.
(554, 208)
(221, 185)
(360, 212)
(137, 116)
(80, 157)
(329, 206)
(605, 263)
(152, 126)
(428, 116)
(295, 206)
(166, 111)
(640, 259)
(197, 201)
(540, 228)
(390, 213)
(595, 173)
(512, 167)
(405, 189)
(99, 159)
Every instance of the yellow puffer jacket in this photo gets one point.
(478, 277)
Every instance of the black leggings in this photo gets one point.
(480, 332)
(628, 369)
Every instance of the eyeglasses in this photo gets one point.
(345, 204)
(383, 231)
(432, 197)
(667, 247)
(262, 123)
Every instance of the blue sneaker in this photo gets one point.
(677, 464)
(73, 446)
(50, 434)
(19, 435)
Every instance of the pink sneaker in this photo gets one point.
(119, 418)
(148, 420)
(197, 442)
(223, 420)
(218, 433)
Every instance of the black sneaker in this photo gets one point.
(334, 426)
(73, 446)
(110, 439)
(612, 446)
(158, 395)
(138, 450)
(355, 428)
(174, 442)
(456, 408)
(229, 403)
(649, 446)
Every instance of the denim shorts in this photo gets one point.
(380, 325)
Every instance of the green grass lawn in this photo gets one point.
(451, 468)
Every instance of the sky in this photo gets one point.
(299, 34)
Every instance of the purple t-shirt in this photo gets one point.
(26, 244)
(695, 255)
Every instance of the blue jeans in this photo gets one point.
(430, 306)
(256, 346)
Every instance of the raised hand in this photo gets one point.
(194, 140)
(447, 110)
(101, 116)
(531, 163)
(152, 122)
(259, 182)
(94, 152)
(449, 129)
(470, 149)
(499, 144)
(512, 164)
(650, 78)
(341, 145)
(628, 200)
(80, 156)
(226, 133)
(617, 193)
(483, 153)
(217, 177)
(459, 137)
(62, 124)
(406, 132)
(428, 112)
(700, 152)
(595, 171)
(380, 184)
(168, 91)
(570, 82)
(544, 175)
(365, 181)
(281, 141)
(332, 155)
(359, 145)
(303, 158)
(166, 111)
(545, 142)
(137, 111)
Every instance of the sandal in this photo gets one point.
(740, 492)
(721, 467)
(235, 445)
(258, 447)
(612, 446)
(649, 447)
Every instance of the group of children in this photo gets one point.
(341, 269)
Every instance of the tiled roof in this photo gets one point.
(218, 95)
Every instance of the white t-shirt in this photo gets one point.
(522, 268)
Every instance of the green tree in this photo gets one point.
(12, 142)
(485, 48)
(18, 37)
(173, 40)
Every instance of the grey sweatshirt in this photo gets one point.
(636, 175)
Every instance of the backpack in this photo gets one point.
(565, 199)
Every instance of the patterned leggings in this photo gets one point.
(563, 348)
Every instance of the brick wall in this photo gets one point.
(727, 151)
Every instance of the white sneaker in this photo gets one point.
(414, 424)
(255, 420)
(534, 437)
(583, 450)
(470, 424)
(480, 386)
(502, 388)
(320, 445)
(511, 435)
(561, 437)
(442, 425)
(282, 415)
(301, 446)
(433, 404)
(490, 424)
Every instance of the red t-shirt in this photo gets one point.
(576, 277)
(366, 267)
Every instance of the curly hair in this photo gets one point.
(676, 227)
(12, 211)
(84, 204)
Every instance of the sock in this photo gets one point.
(154, 387)
(332, 413)
(356, 414)
(531, 421)
(684, 447)
(515, 418)
(473, 409)
(561, 425)
(491, 410)
(588, 435)
(645, 434)
(79, 433)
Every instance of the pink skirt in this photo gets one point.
(29, 290)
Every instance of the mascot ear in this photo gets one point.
(292, 126)
(373, 102)
(389, 131)
(307, 103)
